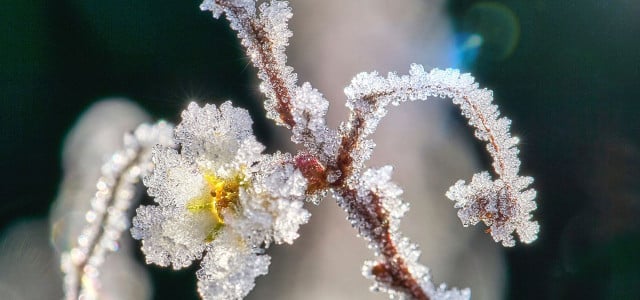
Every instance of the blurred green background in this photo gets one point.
(566, 72)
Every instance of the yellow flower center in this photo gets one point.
(222, 194)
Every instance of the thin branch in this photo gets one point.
(116, 192)
(108, 216)
(393, 271)
(505, 204)
(263, 55)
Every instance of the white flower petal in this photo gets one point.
(166, 238)
(213, 134)
(229, 269)
(250, 151)
(289, 216)
(218, 151)
(282, 188)
(174, 181)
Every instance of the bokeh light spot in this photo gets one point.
(493, 29)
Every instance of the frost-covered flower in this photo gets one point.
(219, 197)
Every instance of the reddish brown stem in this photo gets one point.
(266, 60)
(313, 171)
(349, 142)
(393, 270)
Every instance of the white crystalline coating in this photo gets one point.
(411, 253)
(214, 134)
(107, 218)
(309, 109)
(309, 112)
(505, 204)
(229, 268)
(275, 17)
(212, 5)
(274, 20)
(175, 180)
(275, 213)
(265, 35)
(378, 182)
(170, 237)
(286, 187)
(418, 271)
(494, 209)
(291, 215)
(217, 149)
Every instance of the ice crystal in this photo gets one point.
(220, 195)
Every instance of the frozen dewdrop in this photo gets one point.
(77, 256)
(90, 216)
(83, 240)
(102, 184)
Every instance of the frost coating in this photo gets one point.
(309, 110)
(229, 268)
(377, 218)
(505, 205)
(219, 197)
(107, 218)
(486, 200)
(265, 34)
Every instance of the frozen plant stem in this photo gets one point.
(107, 218)
(83, 260)
(264, 55)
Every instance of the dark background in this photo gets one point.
(566, 72)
